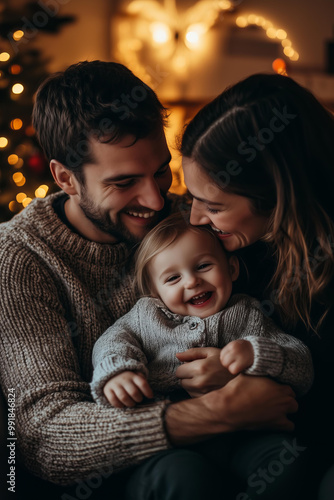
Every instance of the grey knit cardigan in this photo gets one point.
(147, 338)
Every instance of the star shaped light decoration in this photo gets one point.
(160, 33)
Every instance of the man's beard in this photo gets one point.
(103, 222)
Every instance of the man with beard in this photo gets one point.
(66, 276)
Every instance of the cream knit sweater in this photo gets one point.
(59, 293)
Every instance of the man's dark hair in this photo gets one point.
(96, 99)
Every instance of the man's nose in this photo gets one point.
(150, 196)
(197, 215)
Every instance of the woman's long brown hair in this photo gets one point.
(281, 142)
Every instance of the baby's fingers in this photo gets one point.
(128, 395)
(113, 399)
(142, 384)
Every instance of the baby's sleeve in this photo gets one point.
(276, 354)
(118, 349)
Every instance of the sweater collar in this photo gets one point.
(169, 314)
(39, 218)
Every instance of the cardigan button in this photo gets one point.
(193, 325)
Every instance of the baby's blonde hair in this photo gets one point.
(157, 240)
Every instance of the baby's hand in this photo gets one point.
(237, 355)
(127, 389)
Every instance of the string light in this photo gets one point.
(279, 66)
(15, 69)
(17, 35)
(271, 32)
(21, 182)
(41, 191)
(281, 34)
(13, 206)
(16, 124)
(20, 197)
(241, 22)
(12, 159)
(4, 56)
(17, 88)
(26, 202)
(17, 177)
(3, 142)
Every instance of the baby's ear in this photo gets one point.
(233, 263)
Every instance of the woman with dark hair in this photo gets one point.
(259, 163)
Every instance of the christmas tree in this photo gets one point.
(24, 172)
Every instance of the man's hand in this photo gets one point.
(202, 370)
(245, 403)
(237, 355)
(127, 389)
(257, 403)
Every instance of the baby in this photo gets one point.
(186, 277)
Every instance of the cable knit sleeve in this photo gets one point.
(62, 434)
(276, 354)
(117, 350)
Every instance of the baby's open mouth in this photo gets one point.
(201, 298)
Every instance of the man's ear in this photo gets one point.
(233, 263)
(64, 177)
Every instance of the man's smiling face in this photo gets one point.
(125, 188)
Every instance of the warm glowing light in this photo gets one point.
(12, 159)
(266, 25)
(288, 51)
(279, 66)
(3, 142)
(271, 33)
(17, 88)
(295, 56)
(194, 34)
(13, 207)
(260, 21)
(45, 187)
(17, 35)
(225, 5)
(281, 34)
(40, 192)
(20, 197)
(17, 177)
(21, 182)
(26, 202)
(160, 32)
(4, 56)
(252, 18)
(241, 22)
(16, 124)
(15, 69)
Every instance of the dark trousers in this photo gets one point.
(326, 491)
(238, 466)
